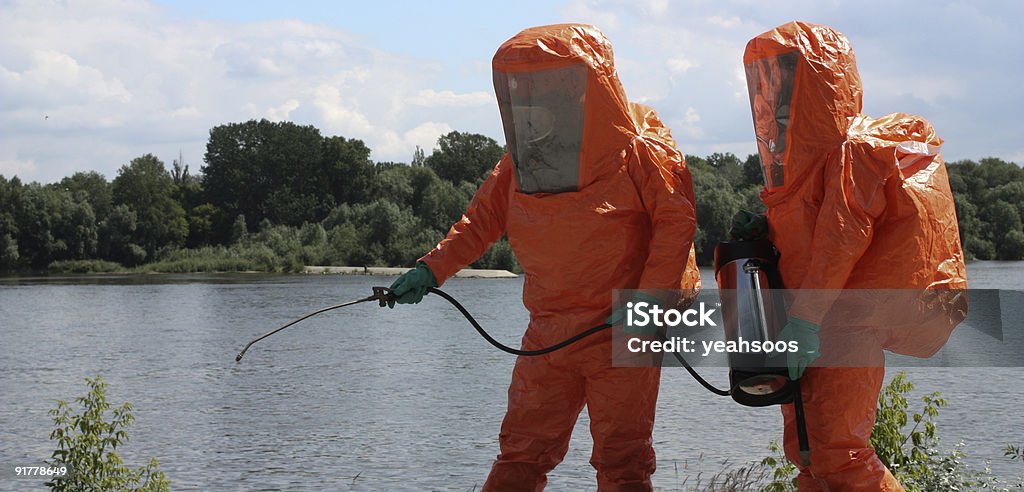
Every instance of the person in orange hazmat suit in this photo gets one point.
(855, 205)
(594, 196)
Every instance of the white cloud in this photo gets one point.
(432, 99)
(1017, 157)
(185, 112)
(689, 129)
(592, 12)
(692, 116)
(724, 22)
(282, 112)
(739, 84)
(654, 7)
(680, 65)
(11, 165)
(54, 78)
(425, 136)
(337, 115)
(929, 87)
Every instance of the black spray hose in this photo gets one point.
(693, 372)
(564, 343)
(384, 296)
(505, 348)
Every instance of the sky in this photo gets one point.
(90, 85)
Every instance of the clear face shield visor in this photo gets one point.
(770, 86)
(542, 115)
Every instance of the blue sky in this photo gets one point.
(89, 85)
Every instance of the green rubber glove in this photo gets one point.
(748, 226)
(412, 285)
(805, 334)
(618, 315)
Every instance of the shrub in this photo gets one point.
(87, 443)
(913, 455)
(84, 266)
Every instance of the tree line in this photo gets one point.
(274, 196)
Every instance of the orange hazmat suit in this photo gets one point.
(594, 197)
(854, 203)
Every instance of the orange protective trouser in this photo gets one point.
(546, 396)
(839, 407)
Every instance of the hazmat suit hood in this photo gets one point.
(804, 91)
(565, 114)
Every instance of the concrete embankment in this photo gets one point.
(357, 270)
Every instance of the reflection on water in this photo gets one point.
(361, 398)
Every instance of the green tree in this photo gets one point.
(716, 205)
(351, 171)
(8, 252)
(9, 196)
(393, 184)
(386, 233)
(1012, 193)
(964, 179)
(444, 203)
(90, 187)
(1000, 218)
(422, 180)
(145, 186)
(1012, 247)
(969, 226)
(419, 158)
(239, 231)
(343, 246)
(993, 172)
(33, 221)
(752, 173)
(87, 445)
(117, 236)
(188, 192)
(274, 170)
(464, 157)
(74, 227)
(201, 220)
(729, 167)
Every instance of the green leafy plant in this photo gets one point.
(87, 444)
(1014, 452)
(913, 455)
(783, 472)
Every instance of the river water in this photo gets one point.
(365, 398)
